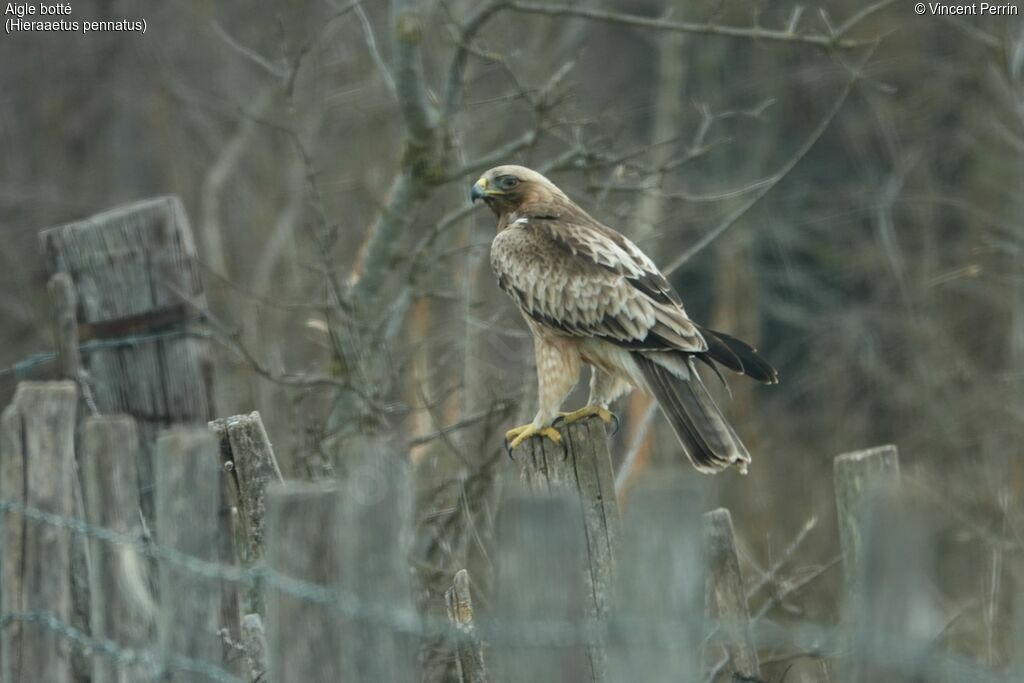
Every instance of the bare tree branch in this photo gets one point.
(809, 143)
(453, 86)
(371, 45)
(408, 71)
(754, 33)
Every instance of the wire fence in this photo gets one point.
(808, 639)
(23, 368)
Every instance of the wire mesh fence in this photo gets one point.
(333, 585)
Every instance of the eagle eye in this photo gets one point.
(507, 182)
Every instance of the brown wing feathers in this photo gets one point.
(570, 273)
(672, 330)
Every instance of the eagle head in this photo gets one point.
(510, 188)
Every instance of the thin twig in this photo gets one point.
(806, 147)
(755, 33)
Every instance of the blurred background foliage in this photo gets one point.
(883, 274)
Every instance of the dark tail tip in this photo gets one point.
(739, 356)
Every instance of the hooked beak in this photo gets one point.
(481, 191)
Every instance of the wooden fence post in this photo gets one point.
(131, 267)
(586, 468)
(248, 456)
(64, 303)
(122, 608)
(249, 466)
(64, 312)
(303, 543)
(37, 460)
(659, 606)
(188, 490)
(730, 596)
(375, 536)
(469, 653)
(540, 562)
(1017, 639)
(895, 619)
(859, 475)
(254, 642)
(138, 287)
(354, 538)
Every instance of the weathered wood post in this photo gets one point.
(540, 559)
(895, 619)
(122, 609)
(64, 307)
(139, 293)
(861, 477)
(132, 268)
(584, 468)
(249, 459)
(353, 539)
(64, 303)
(37, 460)
(254, 642)
(730, 597)
(858, 476)
(188, 499)
(469, 653)
(250, 466)
(659, 594)
(375, 536)
(1017, 641)
(303, 544)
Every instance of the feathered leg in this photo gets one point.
(558, 370)
(604, 388)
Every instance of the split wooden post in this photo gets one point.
(37, 461)
(659, 601)
(730, 597)
(585, 467)
(188, 500)
(540, 561)
(302, 543)
(469, 652)
(122, 609)
(250, 466)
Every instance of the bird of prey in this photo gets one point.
(589, 295)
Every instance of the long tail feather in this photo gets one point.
(707, 438)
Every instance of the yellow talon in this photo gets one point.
(576, 415)
(517, 435)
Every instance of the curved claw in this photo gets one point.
(615, 424)
(517, 435)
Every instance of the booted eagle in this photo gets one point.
(589, 295)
